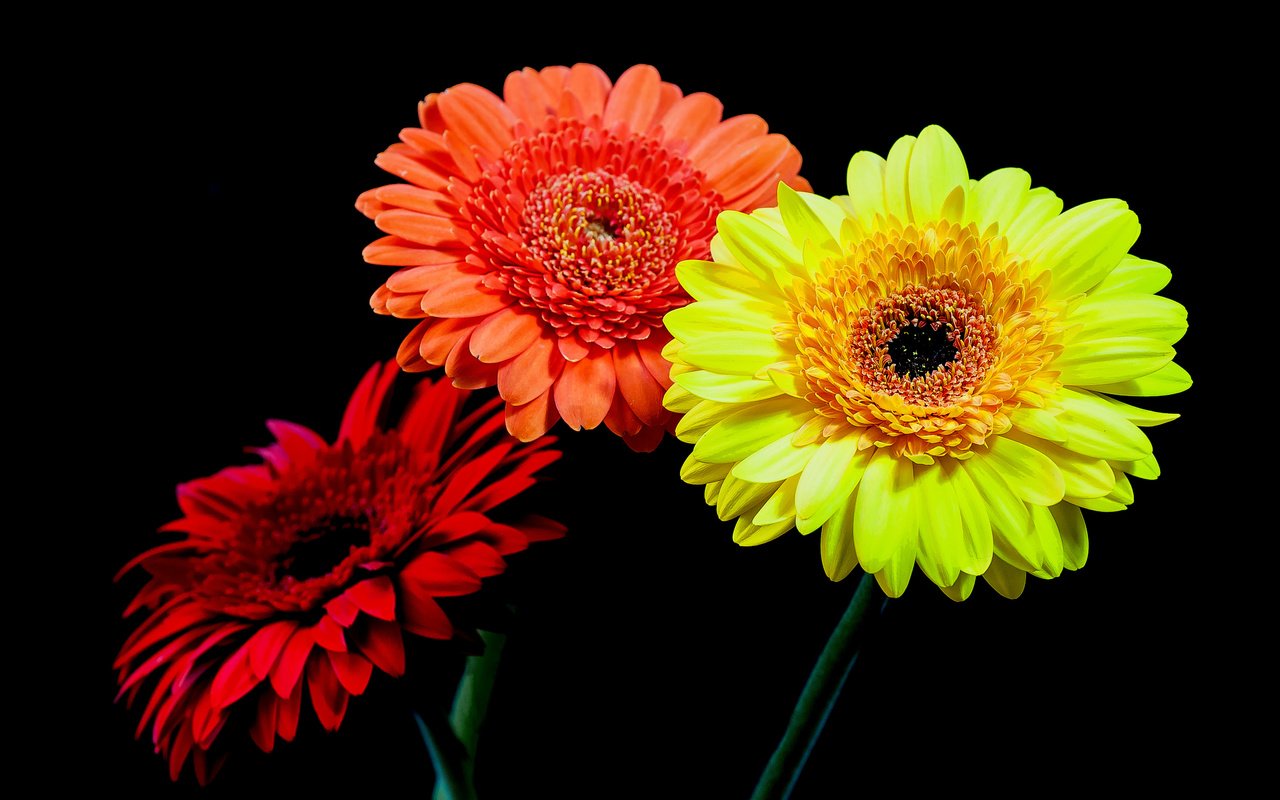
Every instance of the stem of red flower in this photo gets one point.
(449, 758)
(471, 702)
(819, 696)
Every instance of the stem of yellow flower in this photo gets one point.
(819, 696)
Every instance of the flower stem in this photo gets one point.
(455, 777)
(819, 696)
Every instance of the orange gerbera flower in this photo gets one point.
(538, 236)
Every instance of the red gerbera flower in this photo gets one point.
(298, 575)
(540, 233)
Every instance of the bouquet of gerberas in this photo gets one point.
(925, 370)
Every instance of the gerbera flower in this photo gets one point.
(539, 233)
(296, 577)
(924, 370)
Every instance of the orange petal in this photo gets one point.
(420, 228)
(408, 356)
(528, 97)
(465, 369)
(532, 372)
(505, 335)
(728, 134)
(405, 306)
(634, 99)
(440, 337)
(584, 391)
(636, 386)
(411, 170)
(573, 348)
(691, 118)
(464, 297)
(651, 353)
(590, 86)
(667, 98)
(533, 419)
(415, 198)
(621, 419)
(424, 278)
(429, 113)
(553, 78)
(646, 440)
(392, 251)
(478, 118)
(744, 171)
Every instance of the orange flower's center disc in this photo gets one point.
(599, 233)
(586, 225)
(925, 338)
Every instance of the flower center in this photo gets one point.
(926, 344)
(324, 546)
(599, 233)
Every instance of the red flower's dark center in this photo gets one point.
(323, 547)
(928, 345)
(599, 233)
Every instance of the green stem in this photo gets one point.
(816, 701)
(449, 758)
(470, 704)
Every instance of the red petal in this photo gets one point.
(233, 681)
(480, 558)
(353, 671)
(422, 615)
(263, 730)
(439, 575)
(634, 99)
(285, 673)
(454, 526)
(361, 416)
(465, 479)
(178, 754)
(381, 643)
(646, 441)
(266, 644)
(537, 528)
(621, 419)
(299, 442)
(287, 711)
(329, 634)
(343, 610)
(585, 389)
(327, 695)
(375, 597)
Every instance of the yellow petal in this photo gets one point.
(1100, 362)
(975, 521)
(1046, 531)
(895, 576)
(1075, 538)
(839, 556)
(1008, 580)
(742, 498)
(679, 399)
(866, 185)
(1111, 315)
(885, 518)
(828, 479)
(936, 169)
(941, 530)
(749, 534)
(998, 197)
(716, 280)
(701, 417)
(961, 589)
(776, 461)
(1038, 422)
(735, 353)
(1133, 275)
(800, 215)
(757, 246)
(1084, 244)
(895, 178)
(747, 430)
(1095, 428)
(781, 506)
(711, 317)
(1082, 475)
(1169, 379)
(1138, 416)
(1040, 206)
(1029, 472)
(725, 388)
(700, 472)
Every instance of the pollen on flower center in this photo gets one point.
(599, 233)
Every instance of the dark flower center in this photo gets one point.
(918, 350)
(324, 546)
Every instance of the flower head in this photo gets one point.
(538, 235)
(923, 370)
(295, 578)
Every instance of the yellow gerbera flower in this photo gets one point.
(923, 370)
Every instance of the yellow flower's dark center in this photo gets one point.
(929, 345)
(323, 547)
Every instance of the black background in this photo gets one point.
(650, 657)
